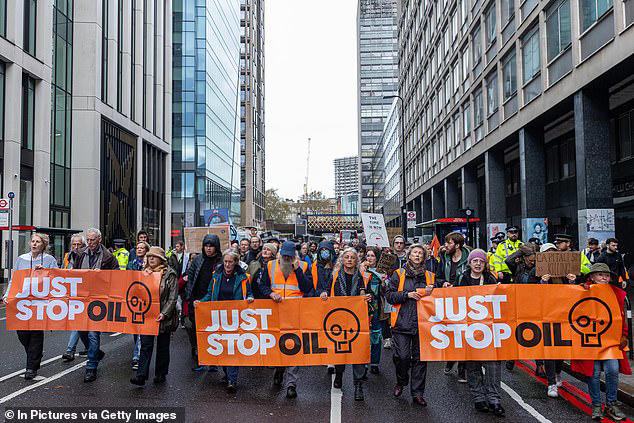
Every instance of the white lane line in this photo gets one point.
(115, 334)
(19, 372)
(335, 403)
(524, 405)
(42, 382)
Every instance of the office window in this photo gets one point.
(558, 28)
(30, 13)
(120, 27)
(464, 10)
(478, 114)
(104, 51)
(465, 64)
(592, 10)
(509, 74)
(492, 92)
(28, 112)
(490, 25)
(530, 55)
(26, 203)
(466, 118)
(476, 43)
(507, 11)
(3, 18)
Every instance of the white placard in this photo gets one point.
(4, 218)
(374, 228)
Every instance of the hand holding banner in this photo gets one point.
(509, 322)
(295, 332)
(86, 300)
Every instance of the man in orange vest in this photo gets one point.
(287, 277)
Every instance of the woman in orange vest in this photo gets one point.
(401, 293)
(348, 280)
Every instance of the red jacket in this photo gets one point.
(586, 367)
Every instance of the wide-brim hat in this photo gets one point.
(547, 246)
(157, 252)
(600, 268)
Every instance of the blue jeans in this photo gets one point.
(137, 347)
(232, 373)
(93, 340)
(611, 369)
(72, 342)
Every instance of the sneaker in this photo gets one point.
(559, 381)
(597, 412)
(231, 388)
(613, 412)
(331, 369)
(387, 343)
(136, 380)
(510, 365)
(135, 364)
(90, 375)
(83, 353)
(462, 377)
(447, 370)
(68, 356)
(553, 392)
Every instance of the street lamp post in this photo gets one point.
(403, 194)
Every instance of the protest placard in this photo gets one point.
(558, 263)
(194, 237)
(374, 229)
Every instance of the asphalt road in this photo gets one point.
(205, 400)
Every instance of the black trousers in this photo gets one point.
(462, 368)
(553, 368)
(162, 361)
(406, 358)
(191, 331)
(33, 343)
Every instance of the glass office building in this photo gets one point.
(378, 77)
(206, 114)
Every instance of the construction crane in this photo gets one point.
(307, 170)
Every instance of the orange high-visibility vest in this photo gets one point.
(315, 274)
(430, 280)
(287, 288)
(365, 276)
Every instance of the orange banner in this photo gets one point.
(508, 322)
(295, 332)
(86, 300)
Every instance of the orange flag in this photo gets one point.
(435, 246)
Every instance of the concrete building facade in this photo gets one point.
(378, 77)
(88, 143)
(252, 143)
(520, 110)
(346, 176)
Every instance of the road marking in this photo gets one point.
(115, 334)
(42, 382)
(19, 372)
(523, 404)
(335, 403)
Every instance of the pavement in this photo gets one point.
(204, 398)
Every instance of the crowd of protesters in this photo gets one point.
(256, 268)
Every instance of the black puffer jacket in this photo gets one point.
(407, 321)
(194, 268)
(324, 274)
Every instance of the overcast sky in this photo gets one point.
(310, 91)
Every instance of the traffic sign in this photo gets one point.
(4, 204)
(411, 219)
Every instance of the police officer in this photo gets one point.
(121, 254)
(504, 250)
(287, 277)
(492, 257)
(563, 242)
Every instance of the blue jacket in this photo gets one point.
(238, 293)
